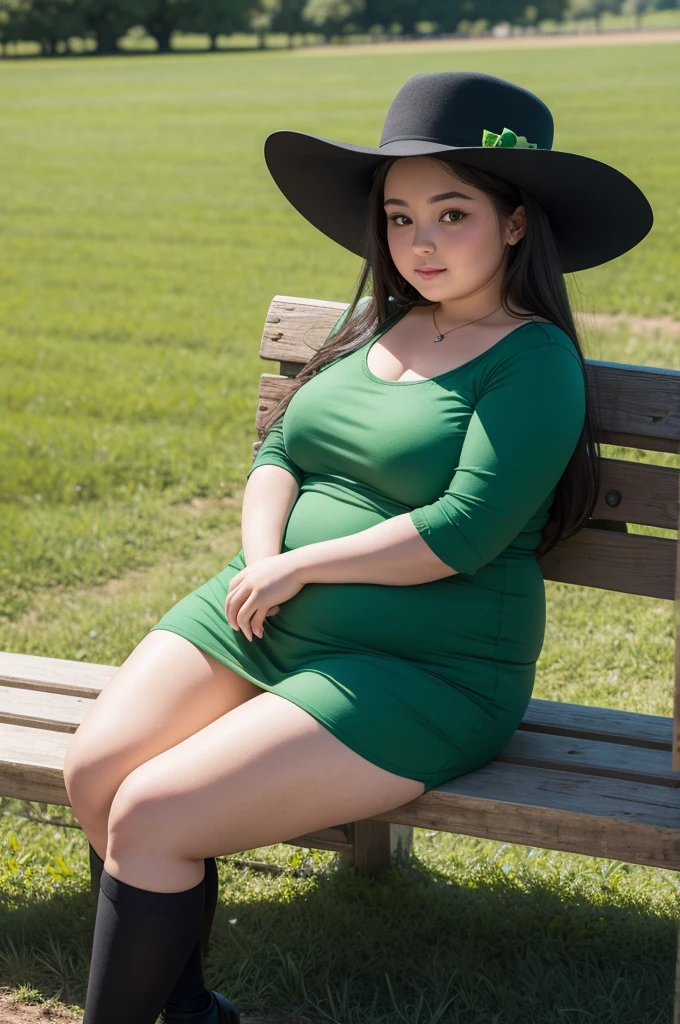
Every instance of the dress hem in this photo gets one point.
(378, 761)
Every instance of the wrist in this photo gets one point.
(298, 564)
(261, 550)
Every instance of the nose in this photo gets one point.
(421, 244)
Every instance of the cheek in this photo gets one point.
(398, 242)
(477, 241)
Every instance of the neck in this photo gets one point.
(450, 313)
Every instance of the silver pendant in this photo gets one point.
(440, 337)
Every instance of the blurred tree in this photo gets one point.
(107, 21)
(334, 17)
(404, 12)
(160, 18)
(46, 22)
(287, 18)
(260, 16)
(552, 10)
(641, 7)
(444, 13)
(215, 18)
(585, 9)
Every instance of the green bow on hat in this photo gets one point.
(507, 139)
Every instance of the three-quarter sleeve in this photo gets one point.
(272, 452)
(522, 433)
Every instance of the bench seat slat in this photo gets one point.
(87, 679)
(62, 712)
(57, 711)
(588, 814)
(32, 763)
(54, 675)
(594, 722)
(595, 815)
(592, 757)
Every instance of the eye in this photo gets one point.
(460, 212)
(397, 216)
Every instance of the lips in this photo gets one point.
(427, 274)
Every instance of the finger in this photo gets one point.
(257, 624)
(273, 610)
(228, 614)
(245, 614)
(233, 605)
(235, 581)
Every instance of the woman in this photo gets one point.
(378, 632)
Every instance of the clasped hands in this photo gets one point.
(258, 590)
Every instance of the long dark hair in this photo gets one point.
(533, 280)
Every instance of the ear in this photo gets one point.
(515, 226)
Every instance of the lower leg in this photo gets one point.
(142, 942)
(190, 994)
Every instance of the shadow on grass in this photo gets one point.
(411, 946)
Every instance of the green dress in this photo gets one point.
(428, 681)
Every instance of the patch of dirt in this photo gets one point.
(12, 1012)
(540, 39)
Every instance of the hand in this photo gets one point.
(258, 590)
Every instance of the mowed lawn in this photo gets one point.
(141, 242)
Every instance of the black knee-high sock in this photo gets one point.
(211, 880)
(142, 942)
(190, 994)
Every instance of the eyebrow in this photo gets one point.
(432, 199)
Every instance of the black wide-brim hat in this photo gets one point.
(596, 212)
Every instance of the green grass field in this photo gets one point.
(142, 240)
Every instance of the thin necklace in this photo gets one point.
(440, 337)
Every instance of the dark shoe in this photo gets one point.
(228, 1012)
(222, 1011)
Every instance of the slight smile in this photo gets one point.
(429, 274)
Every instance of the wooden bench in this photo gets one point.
(587, 780)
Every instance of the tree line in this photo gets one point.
(52, 23)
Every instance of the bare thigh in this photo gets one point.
(266, 772)
(166, 690)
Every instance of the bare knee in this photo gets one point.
(139, 813)
(91, 778)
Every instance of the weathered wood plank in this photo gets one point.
(644, 762)
(32, 764)
(295, 327)
(598, 816)
(56, 711)
(629, 563)
(54, 675)
(337, 838)
(638, 405)
(588, 814)
(646, 494)
(592, 722)
(29, 671)
(590, 757)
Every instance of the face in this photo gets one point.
(459, 235)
